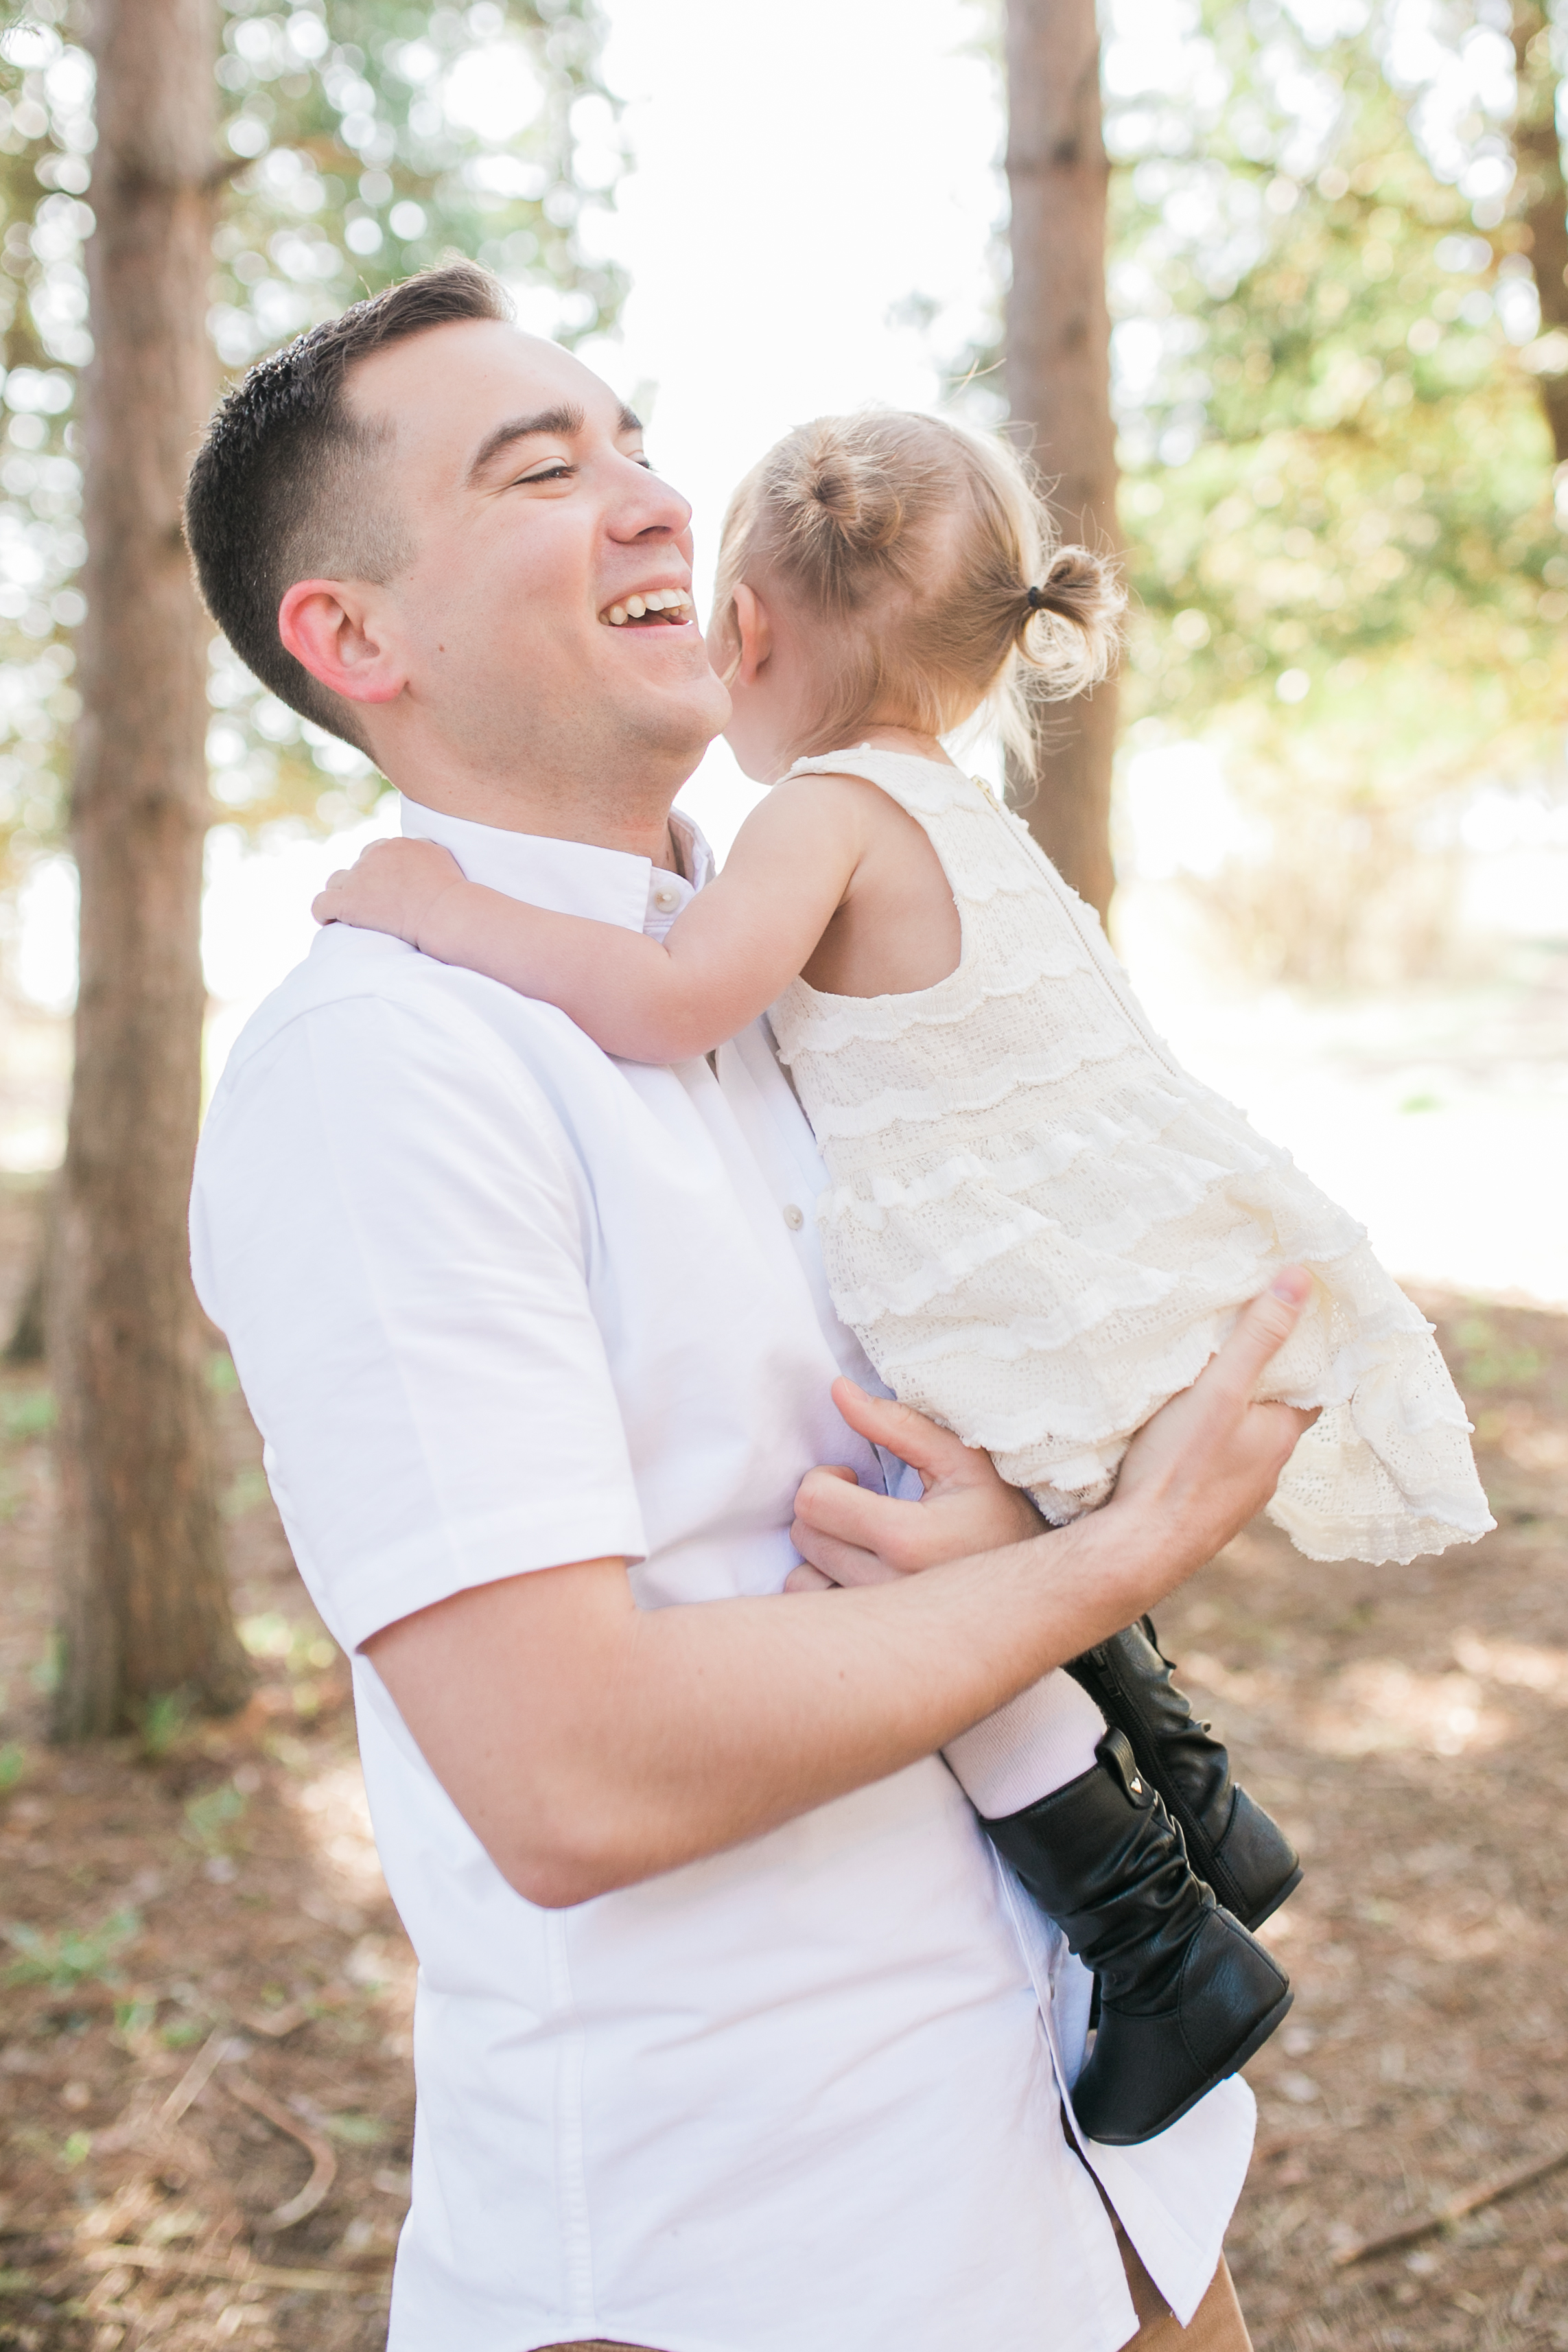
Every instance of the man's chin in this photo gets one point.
(674, 716)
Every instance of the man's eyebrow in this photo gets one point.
(565, 422)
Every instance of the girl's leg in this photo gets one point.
(1037, 1743)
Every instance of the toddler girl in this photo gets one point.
(1038, 1224)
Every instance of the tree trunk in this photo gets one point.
(28, 1340)
(145, 1607)
(1058, 384)
(1543, 198)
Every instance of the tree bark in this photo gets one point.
(144, 1604)
(1058, 373)
(1543, 198)
(28, 1342)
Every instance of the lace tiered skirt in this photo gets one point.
(1041, 1289)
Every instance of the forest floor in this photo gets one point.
(206, 2099)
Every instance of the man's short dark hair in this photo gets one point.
(280, 489)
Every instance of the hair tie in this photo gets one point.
(1036, 599)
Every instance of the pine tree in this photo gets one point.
(343, 162)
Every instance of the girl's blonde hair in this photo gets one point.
(929, 552)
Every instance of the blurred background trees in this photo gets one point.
(360, 142)
(1340, 374)
(349, 154)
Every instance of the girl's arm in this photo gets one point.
(725, 958)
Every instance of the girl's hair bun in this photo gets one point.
(845, 502)
(1067, 624)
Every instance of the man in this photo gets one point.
(728, 2026)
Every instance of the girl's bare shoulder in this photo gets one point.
(831, 792)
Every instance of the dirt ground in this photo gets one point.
(204, 1995)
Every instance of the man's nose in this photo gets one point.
(648, 506)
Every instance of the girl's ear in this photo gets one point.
(754, 631)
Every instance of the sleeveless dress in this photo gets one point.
(1041, 1227)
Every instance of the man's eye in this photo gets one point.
(556, 473)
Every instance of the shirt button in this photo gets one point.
(666, 899)
(794, 1218)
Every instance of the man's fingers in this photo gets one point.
(935, 1452)
(1261, 1330)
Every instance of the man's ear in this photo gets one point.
(333, 630)
(755, 632)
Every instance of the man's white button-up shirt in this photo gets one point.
(497, 1303)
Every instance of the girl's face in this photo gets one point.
(774, 692)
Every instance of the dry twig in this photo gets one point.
(277, 2022)
(197, 2075)
(1468, 2200)
(154, 2258)
(323, 2163)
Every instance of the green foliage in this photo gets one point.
(63, 1962)
(211, 1817)
(366, 140)
(13, 1765)
(1347, 542)
(246, 1490)
(356, 2131)
(164, 1719)
(299, 1641)
(134, 2019)
(1350, 572)
(1488, 1361)
(1358, 566)
(29, 1412)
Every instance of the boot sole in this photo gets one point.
(1247, 2048)
(1281, 1894)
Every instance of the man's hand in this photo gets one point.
(851, 1535)
(1197, 1470)
(394, 887)
(1212, 1456)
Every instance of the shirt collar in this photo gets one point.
(571, 877)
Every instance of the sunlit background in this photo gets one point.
(809, 221)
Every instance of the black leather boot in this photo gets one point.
(1230, 1841)
(1185, 1994)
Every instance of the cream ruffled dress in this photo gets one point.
(1041, 1227)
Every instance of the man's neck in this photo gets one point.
(641, 830)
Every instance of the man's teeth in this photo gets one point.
(673, 601)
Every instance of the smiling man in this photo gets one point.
(728, 2031)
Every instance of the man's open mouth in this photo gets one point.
(652, 607)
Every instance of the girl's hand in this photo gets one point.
(392, 887)
(848, 1534)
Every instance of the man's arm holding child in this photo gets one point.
(591, 1745)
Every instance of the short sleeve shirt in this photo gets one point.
(500, 1302)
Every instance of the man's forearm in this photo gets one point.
(676, 1732)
